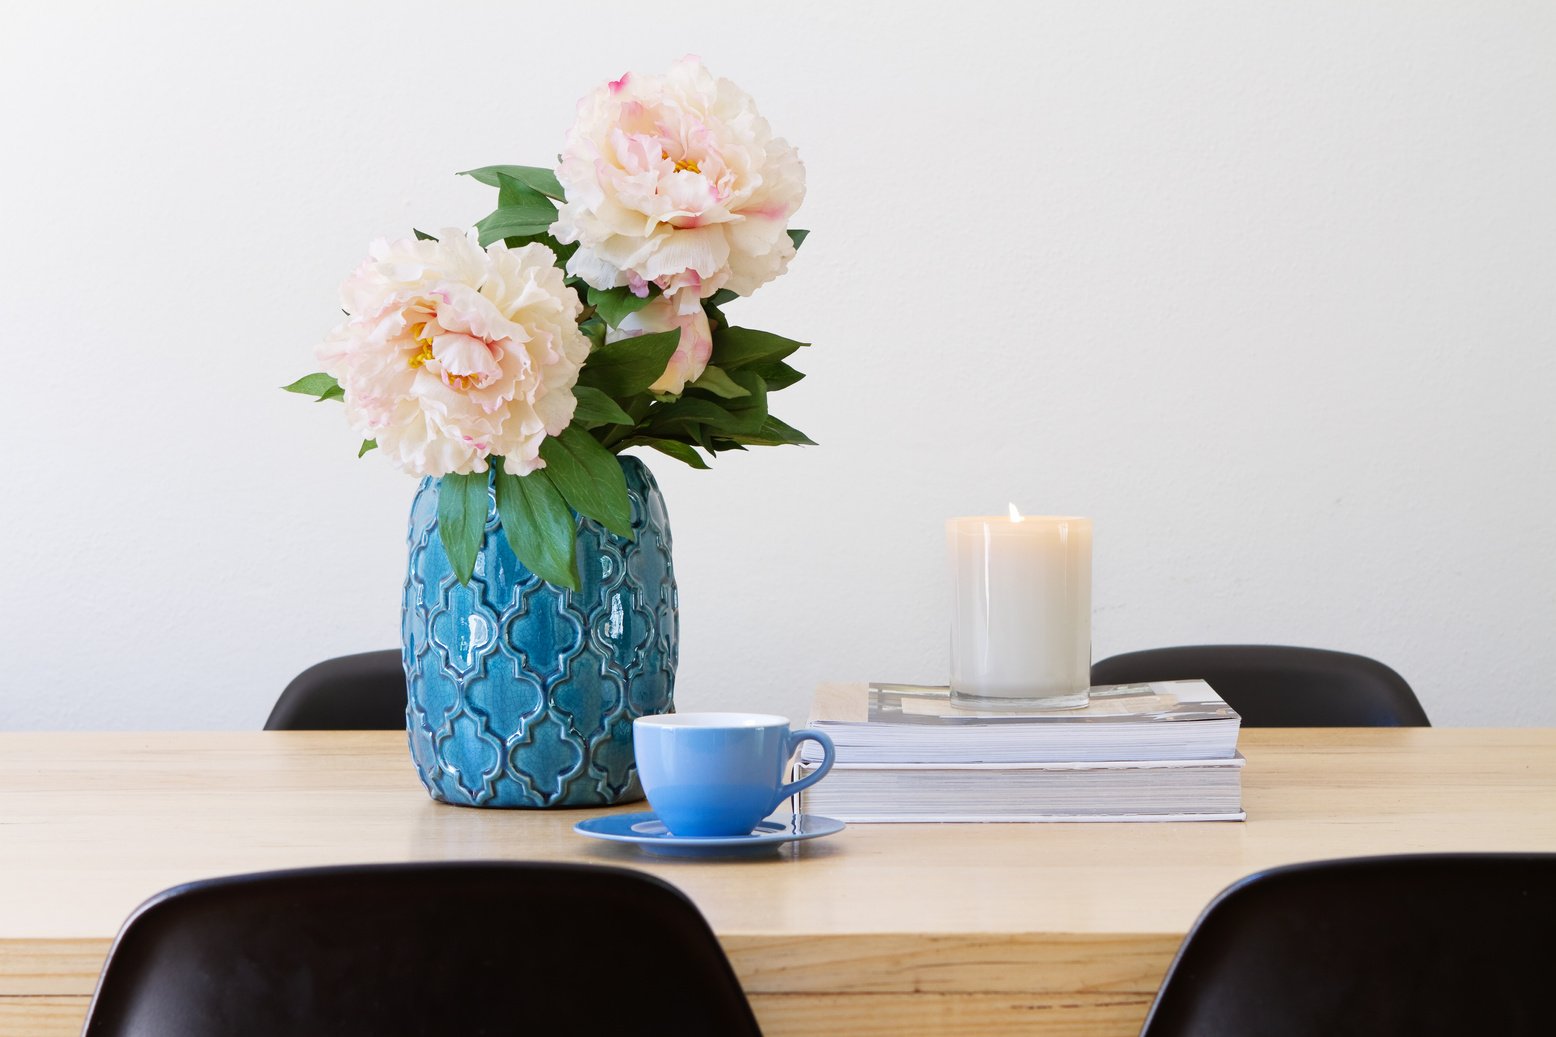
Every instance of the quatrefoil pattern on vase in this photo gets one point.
(522, 694)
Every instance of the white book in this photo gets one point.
(1176, 790)
(899, 723)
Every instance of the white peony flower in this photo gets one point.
(452, 354)
(677, 181)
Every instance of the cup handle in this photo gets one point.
(829, 754)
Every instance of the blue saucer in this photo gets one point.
(648, 833)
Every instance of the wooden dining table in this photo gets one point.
(960, 929)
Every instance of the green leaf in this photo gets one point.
(509, 223)
(594, 330)
(320, 385)
(596, 408)
(628, 367)
(367, 444)
(590, 478)
(462, 504)
(775, 433)
(722, 296)
(714, 380)
(749, 410)
(699, 418)
(741, 347)
(562, 252)
(614, 304)
(534, 177)
(691, 412)
(422, 235)
(638, 406)
(671, 448)
(778, 375)
(798, 237)
(516, 194)
(512, 223)
(521, 211)
(539, 526)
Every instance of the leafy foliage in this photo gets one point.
(714, 380)
(614, 304)
(741, 347)
(533, 177)
(596, 409)
(727, 407)
(623, 370)
(522, 212)
(538, 525)
(671, 448)
(462, 519)
(590, 479)
(319, 385)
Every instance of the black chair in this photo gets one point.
(1280, 686)
(363, 692)
(1373, 947)
(435, 949)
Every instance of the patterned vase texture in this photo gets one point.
(522, 694)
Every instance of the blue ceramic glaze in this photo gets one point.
(718, 774)
(521, 693)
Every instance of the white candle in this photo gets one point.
(1021, 611)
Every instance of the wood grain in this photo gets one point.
(950, 1015)
(963, 929)
(914, 963)
(45, 1016)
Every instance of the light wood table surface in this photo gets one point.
(880, 930)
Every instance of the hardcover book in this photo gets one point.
(1174, 790)
(913, 724)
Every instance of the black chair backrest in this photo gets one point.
(1373, 947)
(363, 692)
(1280, 686)
(440, 949)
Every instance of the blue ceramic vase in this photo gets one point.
(521, 693)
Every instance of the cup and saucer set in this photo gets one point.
(713, 779)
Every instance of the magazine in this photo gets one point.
(900, 723)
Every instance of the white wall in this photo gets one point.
(1265, 289)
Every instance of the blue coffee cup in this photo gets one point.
(715, 774)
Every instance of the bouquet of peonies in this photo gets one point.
(582, 317)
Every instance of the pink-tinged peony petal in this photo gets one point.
(654, 161)
(681, 310)
(460, 352)
(466, 357)
(768, 212)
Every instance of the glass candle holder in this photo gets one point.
(1020, 612)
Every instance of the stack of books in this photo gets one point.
(1165, 751)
